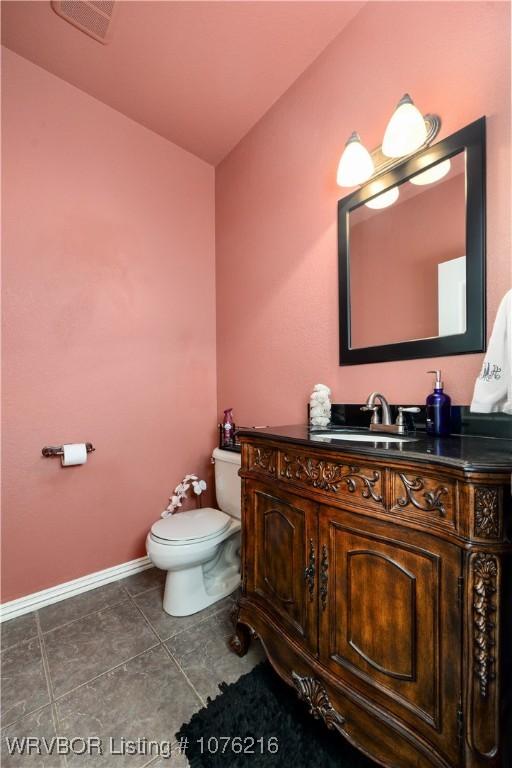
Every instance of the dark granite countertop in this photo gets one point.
(467, 452)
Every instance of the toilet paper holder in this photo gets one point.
(58, 450)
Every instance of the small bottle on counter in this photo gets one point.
(438, 422)
(228, 428)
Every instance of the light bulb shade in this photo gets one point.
(383, 200)
(406, 131)
(356, 164)
(432, 174)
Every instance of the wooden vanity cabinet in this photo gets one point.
(377, 589)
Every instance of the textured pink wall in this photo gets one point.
(394, 258)
(277, 301)
(109, 331)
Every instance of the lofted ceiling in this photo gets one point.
(199, 73)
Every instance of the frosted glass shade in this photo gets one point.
(432, 174)
(386, 198)
(356, 164)
(406, 131)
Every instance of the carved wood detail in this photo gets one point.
(485, 575)
(329, 476)
(314, 694)
(264, 460)
(432, 498)
(487, 524)
(324, 577)
(309, 572)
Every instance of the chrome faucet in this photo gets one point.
(371, 406)
(399, 428)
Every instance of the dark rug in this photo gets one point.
(260, 721)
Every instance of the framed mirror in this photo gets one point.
(411, 249)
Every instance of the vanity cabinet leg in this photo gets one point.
(485, 732)
(240, 641)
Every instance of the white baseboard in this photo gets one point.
(28, 603)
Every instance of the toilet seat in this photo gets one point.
(190, 527)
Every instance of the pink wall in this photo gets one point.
(109, 331)
(277, 302)
(395, 253)
(109, 275)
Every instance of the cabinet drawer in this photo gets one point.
(424, 499)
(355, 483)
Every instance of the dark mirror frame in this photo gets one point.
(470, 139)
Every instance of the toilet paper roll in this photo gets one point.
(74, 453)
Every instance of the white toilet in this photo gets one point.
(200, 549)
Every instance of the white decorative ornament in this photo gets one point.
(199, 486)
(180, 493)
(320, 406)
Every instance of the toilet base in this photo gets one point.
(189, 590)
(185, 591)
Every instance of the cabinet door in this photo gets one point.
(390, 621)
(281, 541)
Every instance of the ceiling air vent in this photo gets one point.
(93, 17)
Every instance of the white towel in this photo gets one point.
(493, 388)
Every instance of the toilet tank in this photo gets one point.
(227, 483)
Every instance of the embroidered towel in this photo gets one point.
(493, 388)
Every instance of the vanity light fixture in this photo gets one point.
(432, 174)
(356, 164)
(407, 131)
(384, 199)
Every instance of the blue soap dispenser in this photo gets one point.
(438, 409)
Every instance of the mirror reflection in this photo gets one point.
(407, 259)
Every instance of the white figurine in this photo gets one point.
(320, 406)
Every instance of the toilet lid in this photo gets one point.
(194, 525)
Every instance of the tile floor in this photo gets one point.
(110, 663)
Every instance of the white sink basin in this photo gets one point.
(369, 438)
